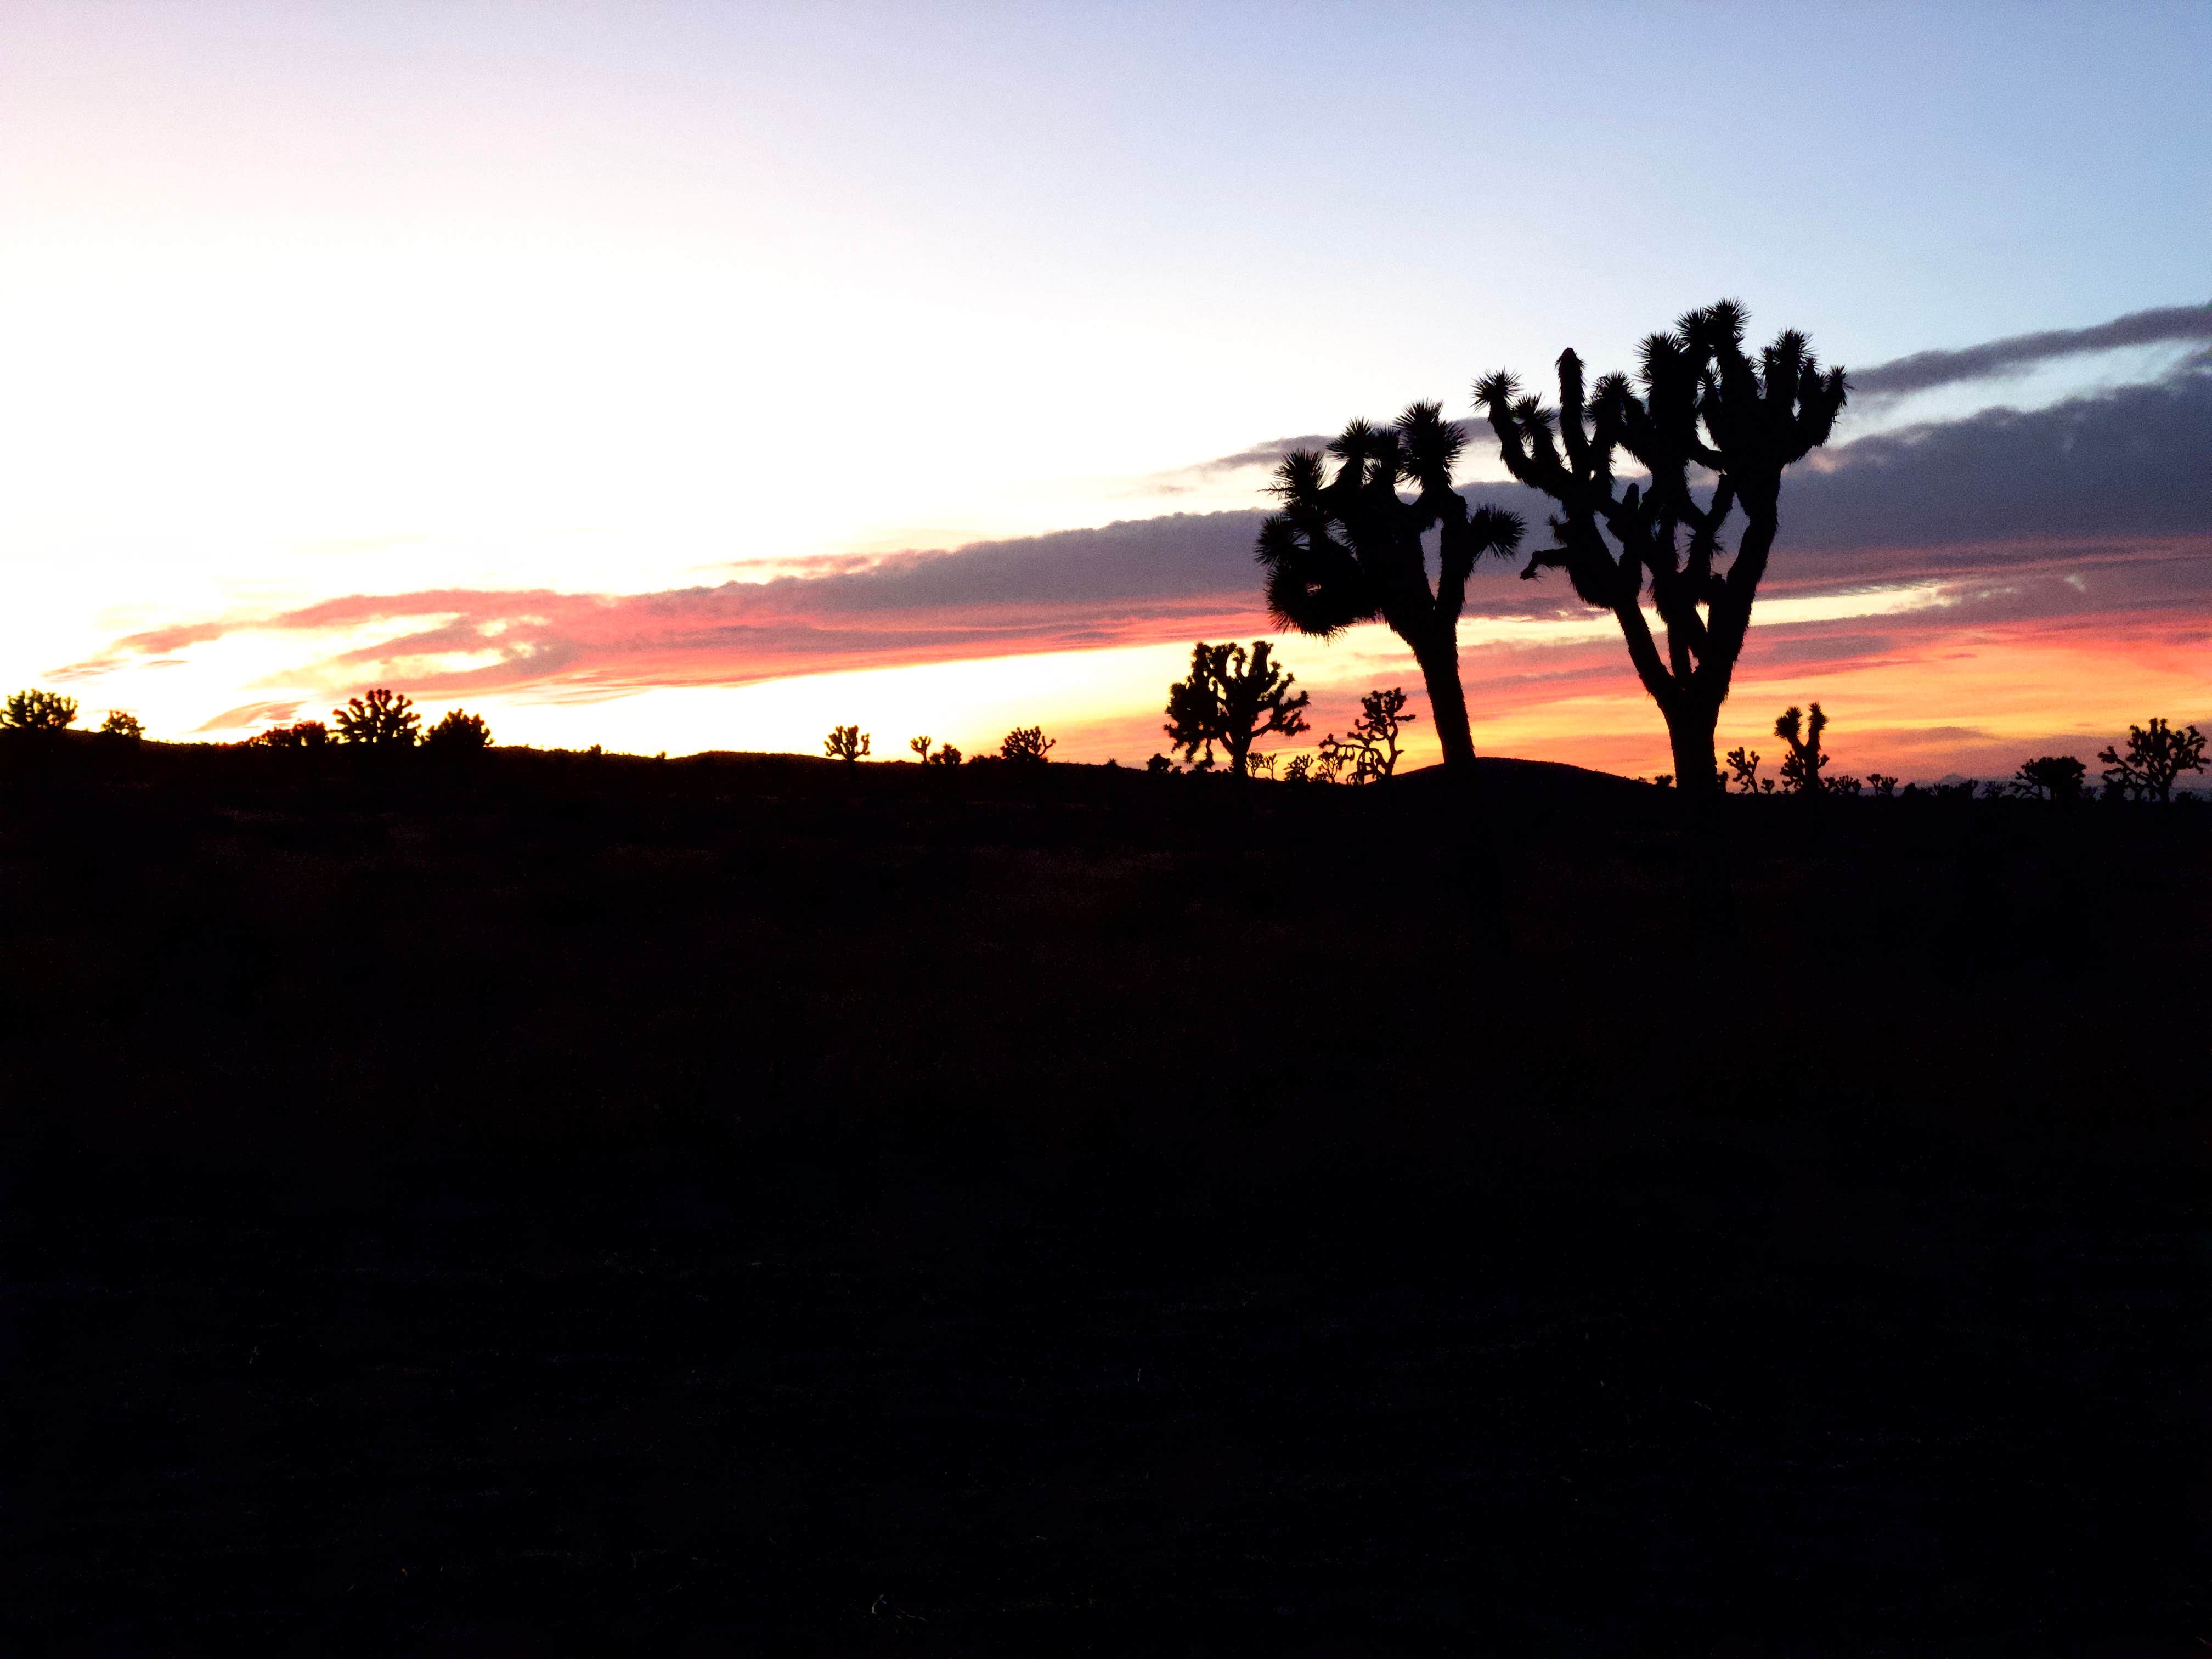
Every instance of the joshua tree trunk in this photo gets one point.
(1690, 735)
(1439, 662)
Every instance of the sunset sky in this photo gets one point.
(680, 377)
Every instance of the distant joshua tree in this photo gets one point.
(1025, 745)
(1801, 768)
(1348, 549)
(2051, 777)
(1298, 769)
(1370, 753)
(121, 723)
(459, 733)
(2155, 758)
(1743, 766)
(381, 719)
(1234, 702)
(1699, 406)
(920, 748)
(845, 742)
(38, 711)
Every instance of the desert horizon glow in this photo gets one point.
(554, 324)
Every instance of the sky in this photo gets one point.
(681, 377)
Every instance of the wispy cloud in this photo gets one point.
(1923, 371)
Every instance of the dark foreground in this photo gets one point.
(746, 1205)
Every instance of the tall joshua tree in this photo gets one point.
(1698, 406)
(1347, 548)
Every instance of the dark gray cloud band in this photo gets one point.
(1923, 371)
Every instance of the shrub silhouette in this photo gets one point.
(459, 733)
(946, 754)
(303, 734)
(1801, 767)
(2052, 777)
(1348, 549)
(382, 718)
(121, 723)
(1234, 701)
(1743, 766)
(38, 711)
(1699, 404)
(2156, 756)
(1025, 745)
(845, 742)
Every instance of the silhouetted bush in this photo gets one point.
(2052, 777)
(459, 733)
(1348, 549)
(38, 711)
(1159, 763)
(2156, 756)
(946, 754)
(302, 734)
(845, 742)
(1233, 703)
(1025, 745)
(381, 719)
(123, 725)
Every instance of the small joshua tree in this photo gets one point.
(380, 719)
(1370, 753)
(1699, 407)
(2051, 777)
(1801, 767)
(1347, 549)
(2155, 758)
(845, 742)
(920, 748)
(1233, 702)
(122, 724)
(1025, 745)
(1743, 767)
(38, 711)
(1882, 783)
(459, 733)
(1298, 769)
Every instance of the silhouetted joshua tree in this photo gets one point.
(2155, 759)
(1743, 765)
(459, 733)
(1801, 767)
(1233, 702)
(1370, 753)
(1348, 549)
(38, 711)
(1025, 745)
(381, 719)
(845, 742)
(2051, 777)
(920, 747)
(1882, 783)
(1699, 405)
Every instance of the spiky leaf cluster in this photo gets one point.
(1345, 547)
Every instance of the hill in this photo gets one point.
(587, 1200)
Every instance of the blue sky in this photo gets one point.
(305, 302)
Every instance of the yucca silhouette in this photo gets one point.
(1347, 549)
(1699, 405)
